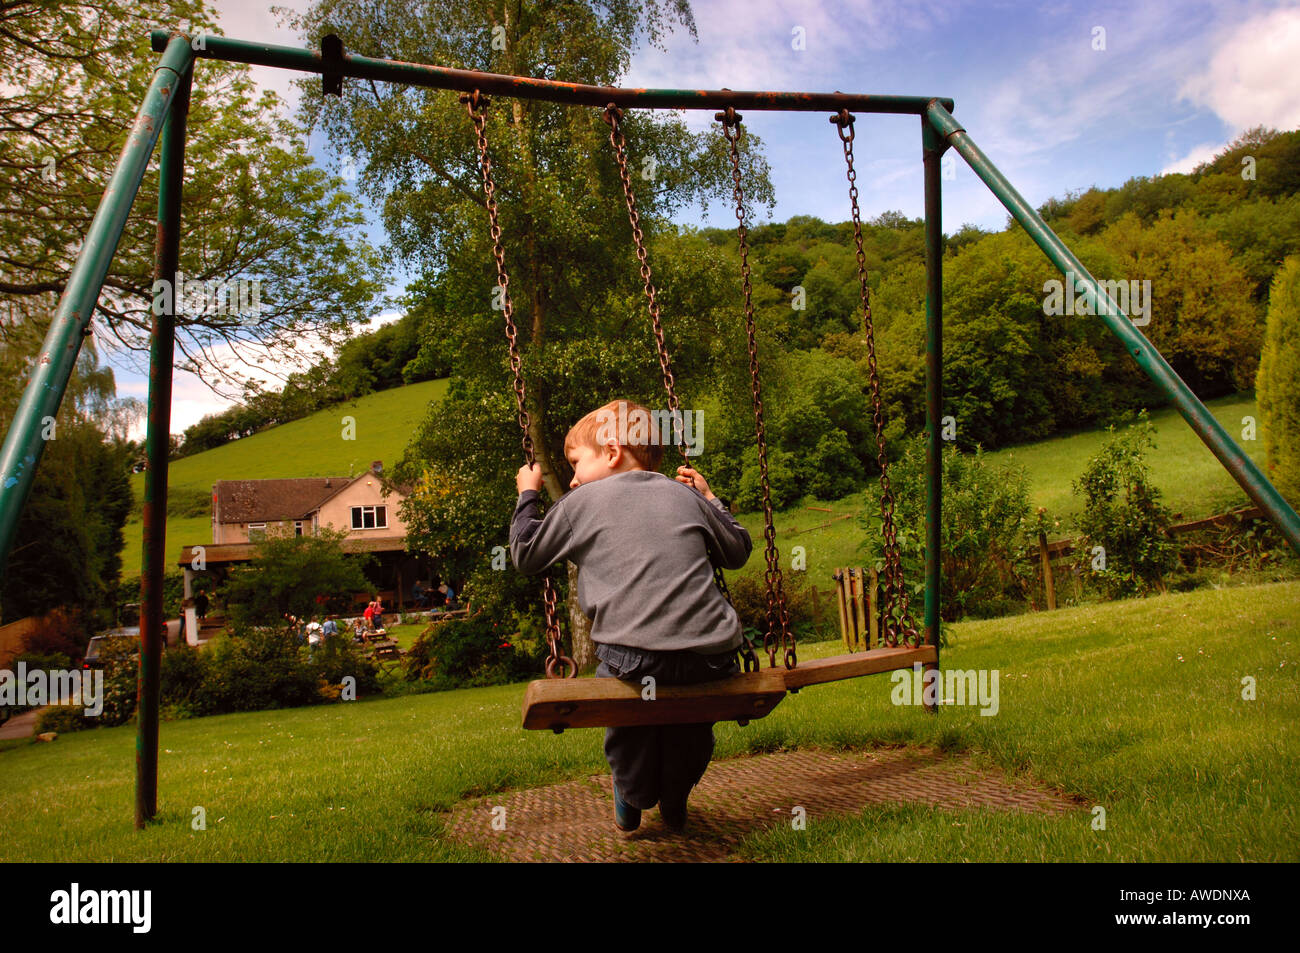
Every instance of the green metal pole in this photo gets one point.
(526, 87)
(1240, 466)
(932, 149)
(171, 176)
(24, 444)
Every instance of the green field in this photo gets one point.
(1193, 482)
(311, 447)
(1134, 706)
(1182, 466)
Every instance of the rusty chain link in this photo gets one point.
(897, 613)
(476, 105)
(778, 616)
(614, 116)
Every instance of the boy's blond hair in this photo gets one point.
(626, 421)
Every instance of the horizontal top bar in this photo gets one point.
(441, 77)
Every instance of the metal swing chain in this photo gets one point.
(897, 615)
(613, 115)
(777, 612)
(476, 106)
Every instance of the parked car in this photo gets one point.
(172, 630)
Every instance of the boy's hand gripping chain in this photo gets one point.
(475, 105)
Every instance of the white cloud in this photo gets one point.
(1195, 156)
(1253, 79)
(1068, 90)
(750, 44)
(193, 398)
(253, 20)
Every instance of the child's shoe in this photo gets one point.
(626, 817)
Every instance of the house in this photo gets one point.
(245, 510)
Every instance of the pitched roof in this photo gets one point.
(256, 501)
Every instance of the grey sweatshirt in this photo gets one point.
(641, 542)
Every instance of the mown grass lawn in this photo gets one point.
(1135, 706)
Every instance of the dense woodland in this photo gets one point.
(1209, 243)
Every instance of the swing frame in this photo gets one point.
(163, 114)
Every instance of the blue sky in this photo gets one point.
(1061, 96)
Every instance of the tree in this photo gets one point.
(256, 208)
(1277, 387)
(298, 575)
(583, 330)
(982, 531)
(67, 549)
(1202, 318)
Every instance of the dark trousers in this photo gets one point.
(653, 763)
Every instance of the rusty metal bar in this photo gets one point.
(526, 87)
(171, 175)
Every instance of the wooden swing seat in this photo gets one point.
(837, 667)
(559, 703)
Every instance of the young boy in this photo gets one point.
(645, 546)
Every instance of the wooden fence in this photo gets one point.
(1047, 552)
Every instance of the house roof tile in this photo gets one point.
(255, 501)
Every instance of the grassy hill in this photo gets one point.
(1182, 466)
(313, 446)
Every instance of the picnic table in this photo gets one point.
(386, 652)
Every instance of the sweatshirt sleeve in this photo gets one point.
(728, 540)
(537, 543)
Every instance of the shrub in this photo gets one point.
(749, 597)
(64, 719)
(1278, 382)
(783, 481)
(475, 651)
(121, 659)
(59, 632)
(255, 669)
(183, 676)
(983, 517)
(833, 470)
(250, 670)
(338, 658)
(32, 661)
(1123, 515)
(53, 660)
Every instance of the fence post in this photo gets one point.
(842, 605)
(1049, 584)
(873, 611)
